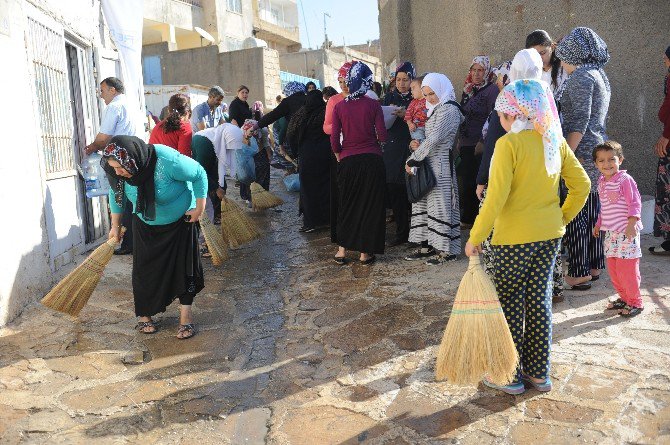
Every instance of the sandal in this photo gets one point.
(632, 311)
(204, 251)
(188, 331)
(617, 304)
(142, 325)
(341, 260)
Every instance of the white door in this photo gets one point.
(53, 110)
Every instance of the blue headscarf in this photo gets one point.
(407, 68)
(583, 47)
(359, 80)
(294, 87)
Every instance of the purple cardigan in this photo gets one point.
(476, 111)
(361, 121)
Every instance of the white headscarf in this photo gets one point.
(527, 64)
(442, 87)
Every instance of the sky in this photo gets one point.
(355, 21)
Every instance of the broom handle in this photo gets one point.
(289, 159)
(475, 261)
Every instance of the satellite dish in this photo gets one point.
(203, 35)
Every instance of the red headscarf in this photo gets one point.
(342, 73)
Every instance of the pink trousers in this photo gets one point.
(625, 276)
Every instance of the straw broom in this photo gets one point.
(71, 294)
(261, 199)
(236, 226)
(215, 243)
(477, 342)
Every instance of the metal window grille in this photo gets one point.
(53, 97)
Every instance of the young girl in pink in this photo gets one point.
(417, 113)
(620, 207)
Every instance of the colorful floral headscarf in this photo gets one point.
(359, 80)
(470, 88)
(407, 68)
(583, 47)
(533, 105)
(294, 87)
(344, 69)
(252, 126)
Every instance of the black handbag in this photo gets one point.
(420, 184)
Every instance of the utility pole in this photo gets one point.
(325, 30)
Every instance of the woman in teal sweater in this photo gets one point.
(168, 192)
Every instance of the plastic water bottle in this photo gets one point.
(95, 176)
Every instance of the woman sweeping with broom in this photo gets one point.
(168, 193)
(523, 205)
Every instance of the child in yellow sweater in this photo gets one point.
(523, 205)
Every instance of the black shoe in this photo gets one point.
(369, 261)
(306, 229)
(420, 255)
(123, 251)
(217, 221)
(441, 259)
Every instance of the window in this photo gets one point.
(234, 6)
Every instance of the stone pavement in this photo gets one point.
(293, 349)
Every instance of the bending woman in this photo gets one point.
(168, 193)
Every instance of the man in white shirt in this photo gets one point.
(117, 119)
(214, 148)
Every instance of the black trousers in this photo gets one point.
(396, 198)
(467, 172)
(127, 222)
(262, 167)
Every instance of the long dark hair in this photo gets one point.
(542, 38)
(178, 107)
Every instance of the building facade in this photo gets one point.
(58, 53)
(444, 35)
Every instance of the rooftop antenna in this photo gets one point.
(304, 20)
(325, 31)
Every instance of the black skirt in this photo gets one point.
(334, 197)
(166, 265)
(314, 171)
(361, 218)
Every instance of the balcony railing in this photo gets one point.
(195, 3)
(267, 16)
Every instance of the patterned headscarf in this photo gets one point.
(502, 70)
(407, 68)
(294, 87)
(250, 125)
(470, 88)
(138, 159)
(583, 47)
(342, 72)
(441, 86)
(359, 80)
(258, 106)
(527, 64)
(533, 105)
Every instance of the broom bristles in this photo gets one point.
(477, 342)
(215, 243)
(236, 226)
(72, 293)
(261, 199)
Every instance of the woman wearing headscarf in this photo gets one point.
(396, 152)
(662, 150)
(314, 161)
(479, 96)
(361, 176)
(295, 98)
(261, 159)
(239, 107)
(167, 190)
(584, 104)
(523, 205)
(435, 219)
(527, 64)
(328, 129)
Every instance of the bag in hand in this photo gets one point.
(421, 183)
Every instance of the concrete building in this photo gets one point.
(323, 64)
(444, 35)
(58, 53)
(229, 22)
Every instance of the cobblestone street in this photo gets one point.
(293, 349)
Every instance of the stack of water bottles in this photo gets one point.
(95, 176)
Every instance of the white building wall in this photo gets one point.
(27, 269)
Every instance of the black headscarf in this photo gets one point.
(138, 159)
(307, 122)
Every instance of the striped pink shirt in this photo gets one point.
(619, 200)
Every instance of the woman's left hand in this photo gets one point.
(661, 147)
(472, 250)
(408, 169)
(414, 144)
